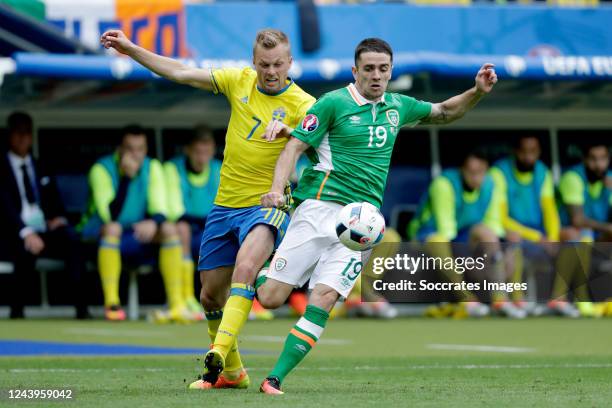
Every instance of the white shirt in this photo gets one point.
(31, 214)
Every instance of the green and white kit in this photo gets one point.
(351, 141)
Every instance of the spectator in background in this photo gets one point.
(461, 206)
(585, 205)
(128, 214)
(34, 219)
(527, 206)
(192, 180)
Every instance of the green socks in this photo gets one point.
(300, 340)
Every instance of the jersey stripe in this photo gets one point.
(322, 184)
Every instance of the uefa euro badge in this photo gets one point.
(393, 117)
(279, 114)
(310, 123)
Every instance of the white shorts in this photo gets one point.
(311, 250)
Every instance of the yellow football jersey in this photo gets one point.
(249, 160)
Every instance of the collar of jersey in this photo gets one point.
(263, 91)
(360, 99)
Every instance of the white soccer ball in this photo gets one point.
(360, 226)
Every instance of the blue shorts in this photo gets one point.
(226, 228)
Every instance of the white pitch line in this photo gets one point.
(281, 339)
(484, 348)
(364, 368)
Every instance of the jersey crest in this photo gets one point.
(393, 117)
(279, 114)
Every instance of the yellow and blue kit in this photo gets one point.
(249, 160)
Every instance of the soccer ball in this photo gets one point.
(360, 226)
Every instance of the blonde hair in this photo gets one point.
(269, 38)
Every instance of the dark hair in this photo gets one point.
(132, 130)
(19, 122)
(202, 134)
(373, 45)
(516, 143)
(477, 153)
(586, 148)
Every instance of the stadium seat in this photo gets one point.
(405, 186)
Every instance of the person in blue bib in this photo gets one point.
(192, 181)
(585, 201)
(460, 206)
(528, 211)
(127, 215)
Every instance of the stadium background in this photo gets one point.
(554, 65)
(554, 61)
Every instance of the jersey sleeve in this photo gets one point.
(413, 110)
(315, 125)
(442, 207)
(302, 109)
(102, 191)
(571, 188)
(173, 192)
(157, 190)
(223, 80)
(492, 218)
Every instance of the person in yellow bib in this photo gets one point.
(192, 181)
(127, 214)
(240, 234)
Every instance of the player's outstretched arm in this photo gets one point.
(166, 67)
(284, 167)
(457, 106)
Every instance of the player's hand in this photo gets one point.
(34, 244)
(118, 40)
(56, 223)
(513, 236)
(144, 231)
(276, 129)
(486, 78)
(273, 199)
(129, 165)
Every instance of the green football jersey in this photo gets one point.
(351, 143)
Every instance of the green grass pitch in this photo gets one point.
(358, 363)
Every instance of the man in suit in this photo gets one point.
(34, 213)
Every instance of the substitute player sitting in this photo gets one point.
(349, 136)
(239, 235)
(192, 180)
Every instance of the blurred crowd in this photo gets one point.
(143, 211)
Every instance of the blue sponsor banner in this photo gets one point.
(227, 30)
(328, 69)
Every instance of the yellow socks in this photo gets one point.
(233, 362)
(109, 267)
(188, 277)
(170, 266)
(235, 315)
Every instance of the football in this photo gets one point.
(360, 226)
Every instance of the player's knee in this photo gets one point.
(482, 233)
(184, 230)
(244, 272)
(112, 229)
(269, 299)
(209, 301)
(168, 229)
